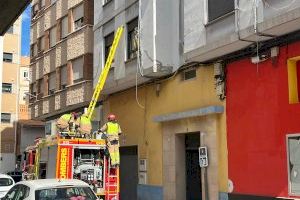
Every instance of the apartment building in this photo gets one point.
(11, 84)
(258, 43)
(167, 107)
(61, 57)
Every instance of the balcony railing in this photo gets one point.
(61, 101)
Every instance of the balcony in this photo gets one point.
(74, 96)
(80, 42)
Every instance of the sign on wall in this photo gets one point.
(203, 158)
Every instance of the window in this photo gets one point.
(77, 66)
(42, 4)
(106, 1)
(293, 149)
(65, 193)
(189, 74)
(108, 40)
(63, 77)
(64, 27)
(35, 49)
(25, 75)
(41, 87)
(52, 36)
(51, 83)
(218, 8)
(5, 117)
(132, 47)
(293, 65)
(34, 10)
(7, 57)
(6, 88)
(53, 1)
(41, 44)
(78, 16)
(10, 30)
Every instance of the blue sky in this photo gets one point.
(26, 32)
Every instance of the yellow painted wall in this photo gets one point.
(175, 96)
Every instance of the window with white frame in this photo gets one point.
(77, 66)
(64, 27)
(132, 44)
(219, 8)
(78, 16)
(52, 36)
(25, 74)
(5, 117)
(7, 57)
(6, 87)
(51, 83)
(63, 77)
(293, 149)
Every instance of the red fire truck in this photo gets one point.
(76, 158)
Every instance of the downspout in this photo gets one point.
(154, 37)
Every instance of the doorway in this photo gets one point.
(128, 172)
(192, 168)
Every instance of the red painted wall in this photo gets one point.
(259, 117)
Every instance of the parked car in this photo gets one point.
(50, 189)
(6, 183)
(16, 175)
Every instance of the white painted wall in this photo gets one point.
(28, 135)
(7, 163)
(209, 37)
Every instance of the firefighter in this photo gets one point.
(113, 130)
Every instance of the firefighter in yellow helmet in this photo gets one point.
(113, 130)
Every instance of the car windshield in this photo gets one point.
(67, 193)
(5, 182)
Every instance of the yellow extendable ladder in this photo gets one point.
(104, 73)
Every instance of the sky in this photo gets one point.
(25, 49)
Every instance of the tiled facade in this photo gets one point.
(58, 47)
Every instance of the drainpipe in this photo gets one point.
(154, 37)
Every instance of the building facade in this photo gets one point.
(167, 107)
(257, 42)
(61, 57)
(11, 84)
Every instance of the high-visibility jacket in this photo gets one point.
(112, 128)
(85, 124)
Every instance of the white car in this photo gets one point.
(50, 189)
(6, 182)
